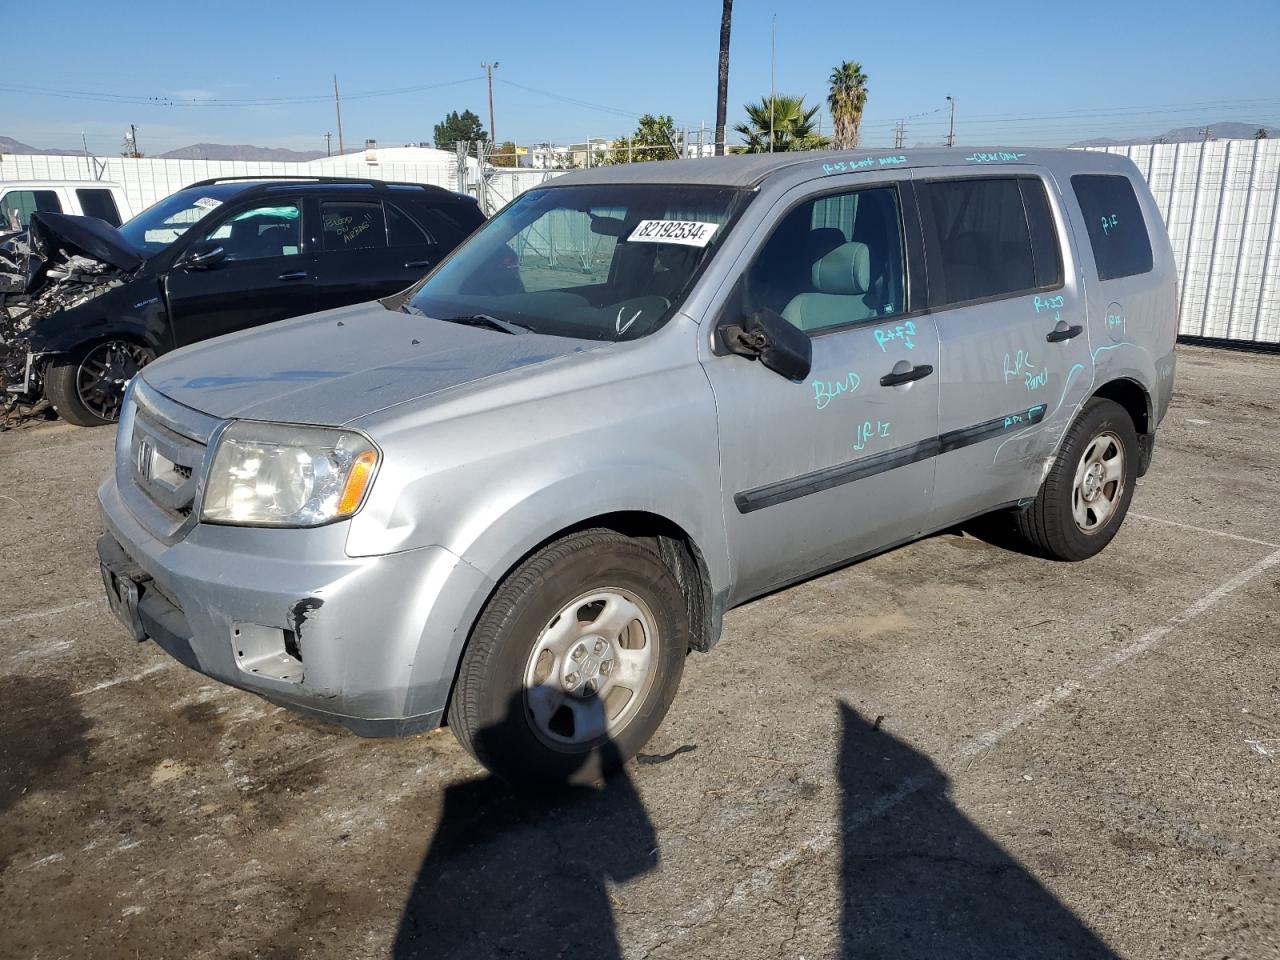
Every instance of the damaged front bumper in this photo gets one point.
(369, 642)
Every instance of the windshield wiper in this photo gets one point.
(493, 323)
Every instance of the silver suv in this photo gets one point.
(515, 496)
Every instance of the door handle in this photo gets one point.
(1058, 334)
(915, 373)
(294, 275)
(417, 263)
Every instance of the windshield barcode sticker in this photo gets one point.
(691, 233)
(208, 203)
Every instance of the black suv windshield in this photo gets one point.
(602, 262)
(162, 223)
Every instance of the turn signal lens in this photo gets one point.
(361, 472)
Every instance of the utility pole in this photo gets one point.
(1204, 134)
(131, 142)
(337, 106)
(328, 140)
(488, 68)
(773, 88)
(899, 134)
(951, 137)
(722, 78)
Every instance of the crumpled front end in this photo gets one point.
(45, 272)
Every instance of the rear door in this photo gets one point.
(266, 274)
(1006, 295)
(818, 472)
(368, 249)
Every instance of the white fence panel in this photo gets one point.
(1220, 201)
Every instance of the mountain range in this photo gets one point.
(197, 151)
(1224, 130)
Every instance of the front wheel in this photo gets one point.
(573, 663)
(1086, 494)
(86, 387)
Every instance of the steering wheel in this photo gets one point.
(636, 316)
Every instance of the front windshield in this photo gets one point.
(162, 223)
(602, 262)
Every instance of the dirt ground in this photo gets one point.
(948, 751)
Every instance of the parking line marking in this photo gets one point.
(107, 684)
(825, 840)
(1216, 533)
(51, 612)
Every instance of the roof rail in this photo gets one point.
(289, 177)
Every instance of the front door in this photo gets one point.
(816, 473)
(265, 275)
(1012, 332)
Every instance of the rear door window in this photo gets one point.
(1117, 232)
(978, 241)
(98, 203)
(18, 205)
(352, 225)
(402, 231)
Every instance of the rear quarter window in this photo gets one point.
(99, 203)
(1117, 231)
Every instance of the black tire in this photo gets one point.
(1048, 526)
(83, 396)
(488, 711)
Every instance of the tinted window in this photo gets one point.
(1044, 235)
(260, 232)
(979, 245)
(1117, 232)
(403, 232)
(100, 204)
(450, 224)
(24, 203)
(352, 226)
(832, 261)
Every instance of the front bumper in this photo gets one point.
(370, 642)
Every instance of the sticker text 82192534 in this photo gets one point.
(689, 233)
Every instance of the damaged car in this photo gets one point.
(84, 306)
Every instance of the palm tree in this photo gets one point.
(794, 127)
(722, 81)
(847, 100)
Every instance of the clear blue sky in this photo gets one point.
(1020, 73)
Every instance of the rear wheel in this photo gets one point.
(1086, 494)
(86, 387)
(574, 661)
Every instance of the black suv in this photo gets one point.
(84, 305)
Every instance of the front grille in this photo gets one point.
(160, 460)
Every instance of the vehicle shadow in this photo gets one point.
(919, 879)
(520, 874)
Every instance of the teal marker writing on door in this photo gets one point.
(824, 391)
(903, 331)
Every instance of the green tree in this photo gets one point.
(505, 155)
(847, 100)
(458, 126)
(1261, 134)
(652, 140)
(793, 126)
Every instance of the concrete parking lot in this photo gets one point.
(951, 750)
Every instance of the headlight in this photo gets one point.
(267, 474)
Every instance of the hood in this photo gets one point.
(81, 236)
(334, 367)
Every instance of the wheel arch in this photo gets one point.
(675, 545)
(1136, 401)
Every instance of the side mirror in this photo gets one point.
(202, 255)
(767, 337)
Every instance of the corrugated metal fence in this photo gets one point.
(147, 179)
(1220, 200)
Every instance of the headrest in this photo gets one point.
(846, 270)
(822, 241)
